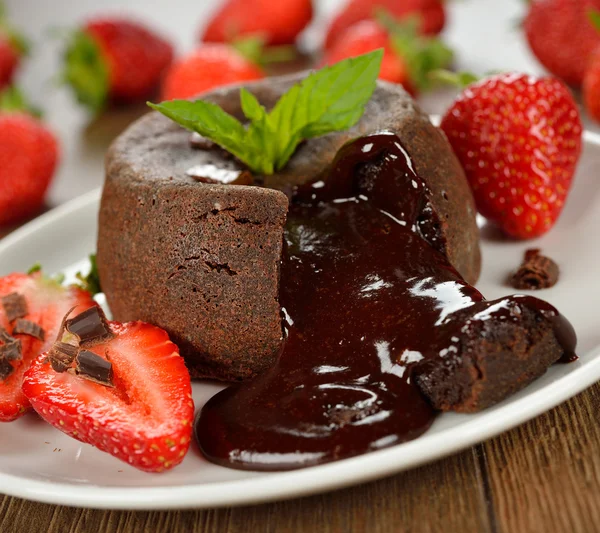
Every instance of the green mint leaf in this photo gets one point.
(331, 99)
(91, 281)
(251, 106)
(210, 121)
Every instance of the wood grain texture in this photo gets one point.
(444, 496)
(545, 475)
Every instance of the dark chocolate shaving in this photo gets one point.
(6, 369)
(89, 327)
(11, 351)
(94, 368)
(27, 327)
(14, 305)
(536, 272)
(62, 356)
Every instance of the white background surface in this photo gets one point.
(482, 32)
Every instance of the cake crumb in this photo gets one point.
(536, 272)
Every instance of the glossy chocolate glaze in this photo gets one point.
(366, 303)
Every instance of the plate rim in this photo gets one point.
(318, 479)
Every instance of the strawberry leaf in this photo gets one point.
(36, 267)
(421, 54)
(86, 71)
(12, 99)
(16, 39)
(457, 79)
(254, 49)
(90, 281)
(594, 17)
(331, 99)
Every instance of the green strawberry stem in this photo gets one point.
(457, 79)
(421, 54)
(16, 39)
(86, 71)
(254, 49)
(13, 100)
(36, 267)
(90, 281)
(594, 17)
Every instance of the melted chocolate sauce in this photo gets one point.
(366, 300)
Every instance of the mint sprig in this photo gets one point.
(328, 100)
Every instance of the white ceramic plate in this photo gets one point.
(40, 463)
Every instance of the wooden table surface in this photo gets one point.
(543, 476)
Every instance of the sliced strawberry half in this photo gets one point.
(143, 416)
(46, 302)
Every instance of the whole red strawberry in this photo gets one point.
(210, 66)
(12, 48)
(408, 57)
(29, 154)
(518, 139)
(591, 80)
(115, 60)
(123, 388)
(9, 60)
(562, 36)
(46, 303)
(430, 12)
(591, 86)
(363, 37)
(277, 22)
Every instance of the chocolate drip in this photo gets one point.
(380, 329)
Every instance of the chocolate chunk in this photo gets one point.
(27, 327)
(62, 356)
(14, 305)
(213, 174)
(5, 337)
(95, 368)
(11, 351)
(536, 272)
(90, 326)
(6, 369)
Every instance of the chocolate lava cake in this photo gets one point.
(202, 260)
